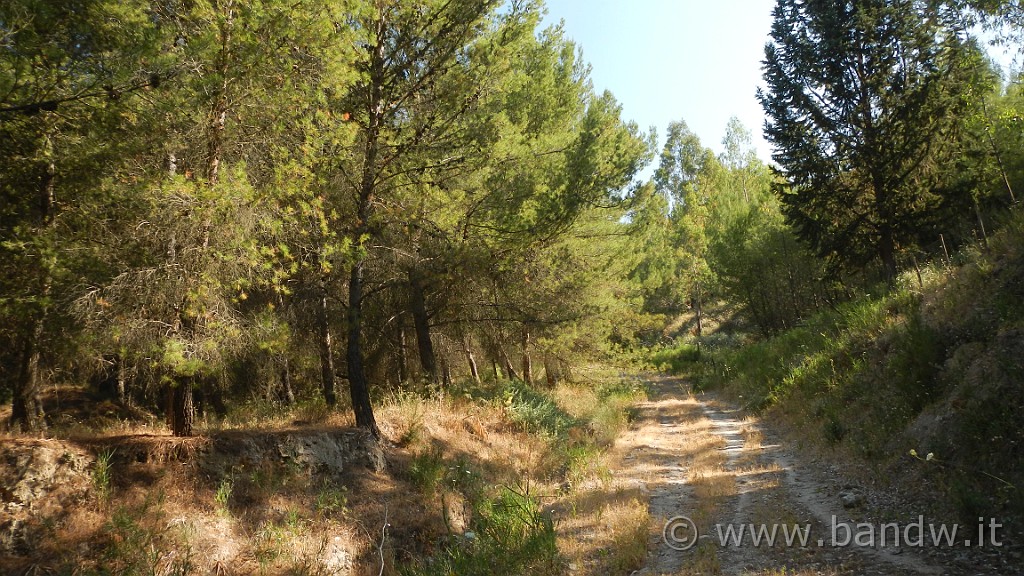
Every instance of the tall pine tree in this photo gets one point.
(862, 98)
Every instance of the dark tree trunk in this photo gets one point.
(700, 317)
(550, 372)
(219, 109)
(887, 253)
(287, 392)
(509, 368)
(214, 391)
(180, 408)
(421, 323)
(359, 385)
(26, 405)
(447, 375)
(323, 327)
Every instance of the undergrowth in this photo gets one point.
(508, 531)
(934, 364)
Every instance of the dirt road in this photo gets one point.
(727, 498)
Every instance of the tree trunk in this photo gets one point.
(508, 364)
(26, 405)
(287, 392)
(359, 385)
(403, 359)
(527, 362)
(421, 322)
(473, 369)
(995, 152)
(326, 350)
(700, 316)
(219, 109)
(180, 409)
(550, 372)
(887, 253)
(122, 389)
(447, 375)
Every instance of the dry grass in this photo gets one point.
(165, 513)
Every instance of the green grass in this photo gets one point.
(101, 474)
(535, 411)
(509, 535)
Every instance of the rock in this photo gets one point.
(38, 479)
(851, 499)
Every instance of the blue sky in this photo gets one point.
(665, 60)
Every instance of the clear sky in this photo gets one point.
(665, 60)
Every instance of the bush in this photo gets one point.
(509, 535)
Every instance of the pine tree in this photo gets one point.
(861, 98)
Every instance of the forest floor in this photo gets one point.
(710, 472)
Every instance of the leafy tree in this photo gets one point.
(685, 178)
(416, 78)
(862, 99)
(69, 76)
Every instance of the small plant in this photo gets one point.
(223, 495)
(427, 471)
(330, 499)
(533, 411)
(510, 535)
(101, 475)
(139, 538)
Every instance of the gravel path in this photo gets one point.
(708, 470)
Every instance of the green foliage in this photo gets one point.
(534, 411)
(101, 475)
(509, 535)
(675, 358)
(427, 471)
(331, 499)
(934, 363)
(864, 103)
(137, 543)
(224, 490)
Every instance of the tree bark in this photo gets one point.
(323, 326)
(180, 408)
(403, 360)
(219, 109)
(27, 407)
(474, 371)
(359, 385)
(550, 372)
(508, 364)
(887, 253)
(527, 361)
(447, 375)
(286, 383)
(421, 323)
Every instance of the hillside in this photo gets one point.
(456, 485)
(917, 389)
